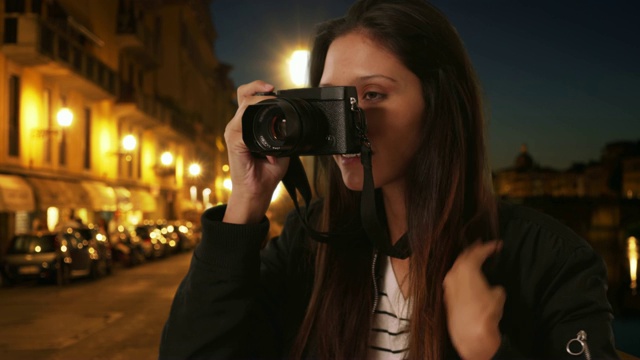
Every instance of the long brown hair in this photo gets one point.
(449, 200)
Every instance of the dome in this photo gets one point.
(523, 161)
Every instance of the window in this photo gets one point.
(87, 138)
(14, 6)
(14, 116)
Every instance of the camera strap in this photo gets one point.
(373, 216)
(371, 204)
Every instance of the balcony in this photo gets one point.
(31, 41)
(139, 108)
(166, 117)
(184, 124)
(138, 41)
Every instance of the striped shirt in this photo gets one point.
(390, 326)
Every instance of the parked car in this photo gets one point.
(153, 240)
(127, 249)
(98, 239)
(176, 241)
(185, 234)
(56, 256)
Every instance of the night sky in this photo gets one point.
(561, 76)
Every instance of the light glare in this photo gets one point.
(194, 169)
(166, 158)
(64, 117)
(632, 251)
(298, 67)
(129, 142)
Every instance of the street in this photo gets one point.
(117, 317)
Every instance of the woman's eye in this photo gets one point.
(372, 95)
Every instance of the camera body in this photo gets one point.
(310, 121)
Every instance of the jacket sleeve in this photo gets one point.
(221, 304)
(556, 285)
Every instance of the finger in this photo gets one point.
(250, 89)
(478, 252)
(246, 97)
(499, 294)
(272, 159)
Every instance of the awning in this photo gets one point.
(185, 205)
(58, 193)
(101, 196)
(143, 200)
(15, 194)
(123, 198)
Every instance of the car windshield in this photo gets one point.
(31, 244)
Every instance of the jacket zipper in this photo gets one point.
(581, 339)
(375, 282)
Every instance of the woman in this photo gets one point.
(460, 292)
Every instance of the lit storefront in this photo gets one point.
(102, 200)
(59, 201)
(134, 205)
(16, 202)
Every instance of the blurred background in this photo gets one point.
(112, 122)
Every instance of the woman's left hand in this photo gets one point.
(474, 308)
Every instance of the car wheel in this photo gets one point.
(98, 269)
(63, 275)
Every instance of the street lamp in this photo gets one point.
(129, 144)
(166, 158)
(166, 167)
(632, 254)
(64, 118)
(195, 170)
(299, 67)
(206, 193)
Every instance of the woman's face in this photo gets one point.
(391, 96)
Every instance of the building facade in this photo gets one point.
(108, 109)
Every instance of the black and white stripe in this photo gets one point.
(390, 323)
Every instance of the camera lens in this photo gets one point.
(283, 126)
(272, 122)
(278, 128)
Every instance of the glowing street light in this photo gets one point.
(632, 254)
(299, 67)
(129, 142)
(166, 158)
(64, 117)
(226, 183)
(195, 169)
(206, 193)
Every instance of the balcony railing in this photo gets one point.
(138, 40)
(32, 41)
(154, 111)
(145, 108)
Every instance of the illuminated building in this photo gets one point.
(137, 80)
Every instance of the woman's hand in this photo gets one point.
(474, 308)
(253, 179)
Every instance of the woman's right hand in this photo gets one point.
(253, 179)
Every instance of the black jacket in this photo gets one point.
(238, 301)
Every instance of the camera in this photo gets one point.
(310, 121)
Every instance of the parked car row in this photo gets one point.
(58, 256)
(85, 251)
(157, 240)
